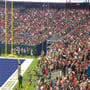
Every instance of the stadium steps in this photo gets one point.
(56, 74)
(11, 82)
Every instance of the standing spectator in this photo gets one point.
(20, 78)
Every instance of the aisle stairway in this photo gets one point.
(56, 74)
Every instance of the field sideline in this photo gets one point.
(25, 76)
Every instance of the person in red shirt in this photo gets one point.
(72, 78)
(46, 71)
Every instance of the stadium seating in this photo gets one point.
(66, 56)
(31, 24)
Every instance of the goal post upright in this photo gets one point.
(5, 28)
(11, 26)
(10, 55)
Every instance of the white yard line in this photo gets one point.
(11, 82)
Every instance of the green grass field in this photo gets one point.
(25, 76)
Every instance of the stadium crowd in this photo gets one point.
(70, 56)
(30, 25)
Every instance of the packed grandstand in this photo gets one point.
(68, 57)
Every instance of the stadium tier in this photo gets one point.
(31, 23)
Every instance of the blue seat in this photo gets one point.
(88, 71)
